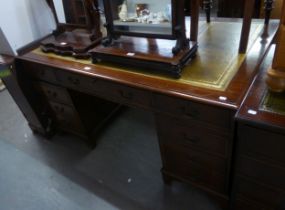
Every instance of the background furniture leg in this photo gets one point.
(268, 6)
(248, 12)
(276, 75)
(207, 5)
(195, 5)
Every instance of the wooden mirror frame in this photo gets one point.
(88, 36)
(178, 27)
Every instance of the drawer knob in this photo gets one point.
(51, 93)
(42, 72)
(74, 81)
(127, 95)
(193, 140)
(192, 113)
(59, 109)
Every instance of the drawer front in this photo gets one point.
(243, 204)
(262, 172)
(41, 72)
(261, 144)
(55, 93)
(215, 116)
(191, 135)
(76, 81)
(195, 167)
(67, 118)
(110, 90)
(181, 155)
(260, 193)
(127, 95)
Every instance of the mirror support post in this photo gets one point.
(195, 5)
(247, 19)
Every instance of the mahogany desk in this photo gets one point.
(260, 161)
(194, 115)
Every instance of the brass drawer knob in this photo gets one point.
(74, 81)
(192, 113)
(127, 95)
(194, 139)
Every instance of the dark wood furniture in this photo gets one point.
(156, 57)
(235, 9)
(268, 7)
(276, 73)
(195, 125)
(259, 155)
(79, 33)
(207, 6)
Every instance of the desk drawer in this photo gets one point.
(67, 118)
(195, 167)
(260, 193)
(262, 172)
(190, 134)
(106, 89)
(261, 144)
(41, 72)
(54, 93)
(182, 155)
(243, 204)
(125, 94)
(195, 111)
(76, 81)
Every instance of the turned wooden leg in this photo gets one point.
(268, 6)
(276, 75)
(248, 12)
(195, 5)
(207, 5)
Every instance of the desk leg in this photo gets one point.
(268, 9)
(31, 116)
(248, 12)
(207, 5)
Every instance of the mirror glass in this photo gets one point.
(70, 11)
(142, 16)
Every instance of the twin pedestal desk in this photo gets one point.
(195, 115)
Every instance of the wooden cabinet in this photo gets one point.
(260, 162)
(194, 151)
(195, 142)
(75, 12)
(235, 8)
(55, 94)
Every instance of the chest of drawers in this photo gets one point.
(259, 168)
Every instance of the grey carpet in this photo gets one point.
(123, 172)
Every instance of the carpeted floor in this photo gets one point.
(123, 172)
(2, 87)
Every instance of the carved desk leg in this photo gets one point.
(207, 5)
(276, 75)
(268, 6)
(248, 12)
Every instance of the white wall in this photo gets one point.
(24, 21)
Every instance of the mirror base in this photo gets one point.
(145, 55)
(74, 43)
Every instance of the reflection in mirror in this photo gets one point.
(149, 16)
(70, 11)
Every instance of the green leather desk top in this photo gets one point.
(217, 60)
(274, 102)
